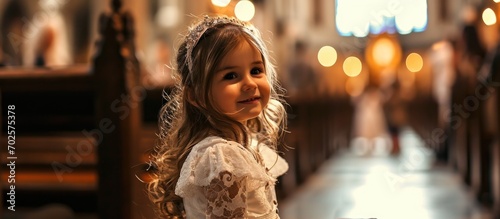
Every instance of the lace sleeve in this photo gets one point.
(226, 196)
(215, 156)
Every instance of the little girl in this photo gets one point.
(220, 128)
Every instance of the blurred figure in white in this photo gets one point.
(443, 78)
(46, 44)
(370, 128)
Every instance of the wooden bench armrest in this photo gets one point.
(70, 78)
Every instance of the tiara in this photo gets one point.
(197, 31)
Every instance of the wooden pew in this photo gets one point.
(319, 127)
(47, 132)
(78, 128)
(482, 143)
(475, 139)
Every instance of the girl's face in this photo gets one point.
(239, 87)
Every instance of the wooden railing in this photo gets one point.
(78, 128)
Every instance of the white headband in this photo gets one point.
(197, 31)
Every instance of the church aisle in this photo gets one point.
(379, 186)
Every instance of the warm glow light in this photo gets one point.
(414, 62)
(327, 56)
(383, 52)
(221, 3)
(244, 10)
(352, 66)
(489, 17)
(496, 1)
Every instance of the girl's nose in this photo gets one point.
(249, 83)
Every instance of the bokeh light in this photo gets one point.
(221, 3)
(489, 17)
(244, 10)
(327, 56)
(352, 66)
(383, 52)
(414, 62)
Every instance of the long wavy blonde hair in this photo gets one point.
(189, 115)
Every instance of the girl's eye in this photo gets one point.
(229, 76)
(256, 71)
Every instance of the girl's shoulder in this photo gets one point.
(234, 153)
(215, 152)
(215, 155)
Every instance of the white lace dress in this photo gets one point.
(222, 179)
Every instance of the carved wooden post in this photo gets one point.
(115, 70)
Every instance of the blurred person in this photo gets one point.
(469, 54)
(395, 113)
(443, 78)
(47, 43)
(489, 80)
(443, 72)
(370, 130)
(303, 78)
(12, 33)
(44, 48)
(494, 73)
(468, 59)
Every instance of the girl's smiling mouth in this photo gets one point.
(250, 100)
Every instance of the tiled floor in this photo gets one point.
(379, 186)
